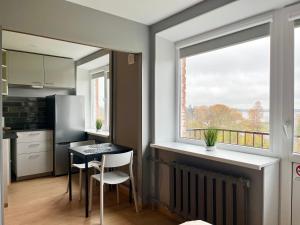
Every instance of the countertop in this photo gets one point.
(12, 134)
(9, 135)
(28, 130)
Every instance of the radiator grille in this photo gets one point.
(213, 197)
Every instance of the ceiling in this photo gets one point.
(219, 17)
(96, 63)
(142, 11)
(47, 46)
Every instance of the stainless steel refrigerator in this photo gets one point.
(66, 118)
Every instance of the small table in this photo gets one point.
(88, 153)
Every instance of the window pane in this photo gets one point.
(297, 92)
(100, 105)
(228, 89)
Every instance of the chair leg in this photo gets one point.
(134, 194)
(80, 185)
(67, 184)
(91, 194)
(118, 196)
(101, 204)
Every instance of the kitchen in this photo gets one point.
(54, 93)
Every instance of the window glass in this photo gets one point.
(228, 89)
(100, 101)
(297, 91)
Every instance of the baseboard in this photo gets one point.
(33, 176)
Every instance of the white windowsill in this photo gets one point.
(100, 133)
(246, 160)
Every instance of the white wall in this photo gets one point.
(66, 21)
(165, 90)
(83, 87)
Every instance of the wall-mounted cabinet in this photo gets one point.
(39, 70)
(25, 68)
(59, 72)
(4, 69)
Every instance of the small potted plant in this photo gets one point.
(210, 138)
(98, 124)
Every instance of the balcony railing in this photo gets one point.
(235, 137)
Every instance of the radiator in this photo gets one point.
(213, 197)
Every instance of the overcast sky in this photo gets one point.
(236, 76)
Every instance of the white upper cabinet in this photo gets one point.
(33, 69)
(59, 72)
(25, 68)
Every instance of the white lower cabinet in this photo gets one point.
(34, 163)
(6, 168)
(33, 154)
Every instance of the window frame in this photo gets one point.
(100, 72)
(220, 32)
(292, 18)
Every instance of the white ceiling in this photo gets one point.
(47, 46)
(96, 63)
(227, 14)
(142, 11)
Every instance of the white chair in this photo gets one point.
(81, 166)
(196, 222)
(113, 177)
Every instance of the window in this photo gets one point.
(100, 99)
(297, 87)
(225, 84)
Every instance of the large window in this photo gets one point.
(297, 88)
(225, 84)
(100, 99)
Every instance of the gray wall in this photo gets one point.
(66, 21)
(126, 100)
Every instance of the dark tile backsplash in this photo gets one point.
(25, 113)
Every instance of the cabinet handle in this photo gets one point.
(33, 134)
(33, 145)
(49, 83)
(36, 82)
(33, 156)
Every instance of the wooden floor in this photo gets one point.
(43, 202)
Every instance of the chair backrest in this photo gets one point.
(82, 143)
(117, 160)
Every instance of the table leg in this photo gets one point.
(86, 189)
(70, 178)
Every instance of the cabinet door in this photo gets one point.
(34, 136)
(25, 68)
(34, 163)
(59, 72)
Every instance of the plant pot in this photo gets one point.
(210, 148)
